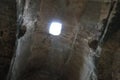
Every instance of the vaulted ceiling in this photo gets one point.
(35, 54)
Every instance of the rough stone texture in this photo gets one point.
(68, 56)
(7, 34)
(109, 61)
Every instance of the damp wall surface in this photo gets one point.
(40, 55)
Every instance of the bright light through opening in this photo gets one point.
(55, 28)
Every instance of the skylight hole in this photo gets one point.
(55, 28)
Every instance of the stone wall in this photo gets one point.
(69, 56)
(109, 61)
(40, 55)
(7, 35)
